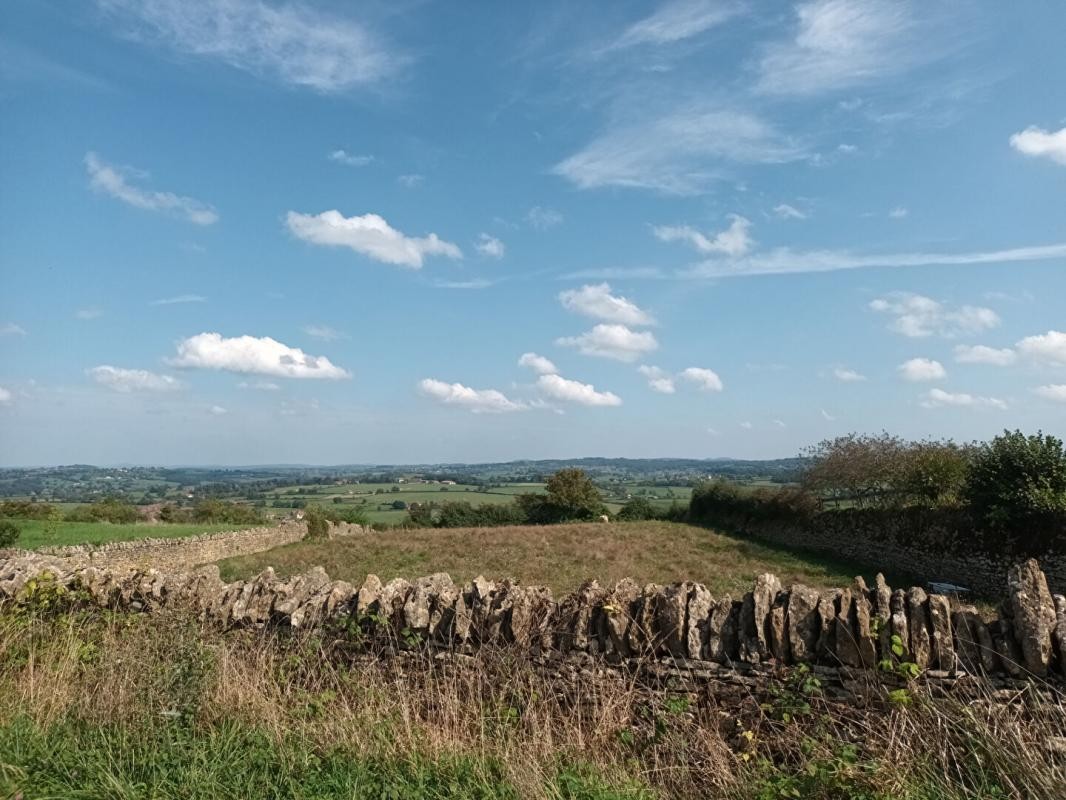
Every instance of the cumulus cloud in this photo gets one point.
(133, 380)
(1040, 143)
(937, 398)
(682, 151)
(785, 211)
(845, 375)
(324, 332)
(369, 235)
(115, 181)
(921, 369)
(490, 246)
(543, 218)
(733, 241)
(479, 401)
(5, 396)
(918, 316)
(253, 355)
(585, 394)
(1055, 392)
(291, 43)
(596, 301)
(839, 44)
(11, 329)
(350, 160)
(658, 380)
(705, 379)
(1048, 348)
(539, 364)
(612, 341)
(982, 354)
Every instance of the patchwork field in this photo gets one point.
(559, 556)
(45, 533)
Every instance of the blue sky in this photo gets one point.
(238, 232)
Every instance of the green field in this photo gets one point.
(42, 533)
(560, 556)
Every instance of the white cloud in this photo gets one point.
(838, 44)
(780, 423)
(785, 261)
(746, 425)
(133, 380)
(1047, 348)
(539, 364)
(260, 386)
(596, 301)
(114, 181)
(981, 354)
(612, 341)
(490, 246)
(324, 332)
(253, 355)
(899, 212)
(543, 218)
(845, 375)
(370, 235)
(937, 398)
(1052, 391)
(681, 152)
(475, 283)
(918, 316)
(346, 158)
(217, 411)
(11, 329)
(827, 416)
(411, 180)
(87, 314)
(181, 298)
(785, 211)
(733, 241)
(921, 369)
(5, 397)
(658, 380)
(1038, 142)
(847, 149)
(705, 379)
(292, 43)
(479, 401)
(560, 388)
(676, 21)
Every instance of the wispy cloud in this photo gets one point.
(259, 386)
(784, 261)
(479, 401)
(1040, 143)
(6, 398)
(253, 355)
(411, 180)
(181, 298)
(982, 354)
(597, 302)
(124, 380)
(369, 235)
(845, 375)
(612, 341)
(292, 43)
(11, 329)
(114, 181)
(350, 160)
(490, 246)
(675, 21)
(1056, 392)
(917, 316)
(680, 152)
(733, 241)
(542, 218)
(324, 332)
(90, 313)
(786, 211)
(937, 398)
(473, 283)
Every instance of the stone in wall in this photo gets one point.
(918, 624)
(1032, 614)
(804, 625)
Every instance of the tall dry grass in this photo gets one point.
(142, 671)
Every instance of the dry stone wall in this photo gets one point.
(857, 627)
(170, 555)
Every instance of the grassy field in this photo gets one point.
(41, 533)
(560, 556)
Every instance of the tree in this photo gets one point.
(637, 509)
(857, 467)
(570, 495)
(1015, 478)
(317, 523)
(9, 533)
(933, 473)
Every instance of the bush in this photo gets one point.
(229, 513)
(637, 509)
(317, 523)
(1015, 478)
(28, 509)
(570, 496)
(461, 514)
(110, 509)
(723, 503)
(9, 533)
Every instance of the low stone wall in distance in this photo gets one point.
(171, 554)
(855, 628)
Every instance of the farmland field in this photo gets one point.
(44, 533)
(560, 556)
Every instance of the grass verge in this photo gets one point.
(46, 533)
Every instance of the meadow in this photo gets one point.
(559, 556)
(47, 533)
